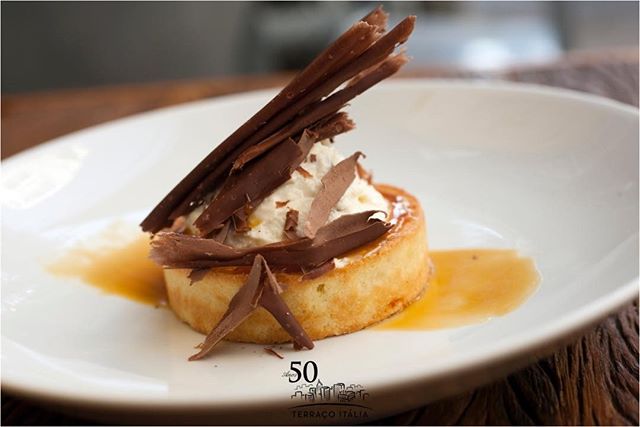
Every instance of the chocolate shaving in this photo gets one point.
(275, 305)
(291, 224)
(240, 221)
(241, 306)
(259, 157)
(358, 49)
(353, 42)
(381, 49)
(337, 100)
(302, 171)
(221, 235)
(326, 107)
(260, 289)
(334, 185)
(197, 274)
(337, 124)
(327, 127)
(377, 17)
(273, 352)
(171, 249)
(319, 271)
(282, 204)
(314, 95)
(240, 218)
(348, 232)
(312, 158)
(186, 195)
(255, 182)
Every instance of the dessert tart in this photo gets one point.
(275, 236)
(376, 281)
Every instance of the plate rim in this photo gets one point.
(474, 84)
(551, 335)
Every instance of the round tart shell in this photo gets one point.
(381, 279)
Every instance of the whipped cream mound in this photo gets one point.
(267, 220)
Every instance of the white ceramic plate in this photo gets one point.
(551, 173)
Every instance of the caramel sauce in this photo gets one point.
(469, 286)
(120, 267)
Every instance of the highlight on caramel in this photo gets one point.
(469, 286)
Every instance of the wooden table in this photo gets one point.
(592, 381)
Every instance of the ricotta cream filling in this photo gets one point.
(267, 220)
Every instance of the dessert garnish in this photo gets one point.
(260, 289)
(273, 353)
(302, 104)
(302, 254)
(194, 223)
(334, 185)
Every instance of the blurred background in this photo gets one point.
(50, 45)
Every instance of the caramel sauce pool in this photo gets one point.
(468, 287)
(121, 268)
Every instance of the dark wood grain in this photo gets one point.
(29, 119)
(593, 381)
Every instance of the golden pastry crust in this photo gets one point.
(380, 279)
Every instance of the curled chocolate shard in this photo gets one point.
(171, 249)
(222, 234)
(326, 128)
(259, 157)
(357, 42)
(348, 232)
(254, 182)
(291, 224)
(337, 100)
(240, 218)
(334, 185)
(272, 352)
(240, 307)
(319, 271)
(360, 48)
(330, 105)
(377, 17)
(274, 304)
(260, 289)
(381, 49)
(355, 70)
(302, 171)
(186, 195)
(333, 126)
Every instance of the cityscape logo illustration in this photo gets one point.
(336, 393)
